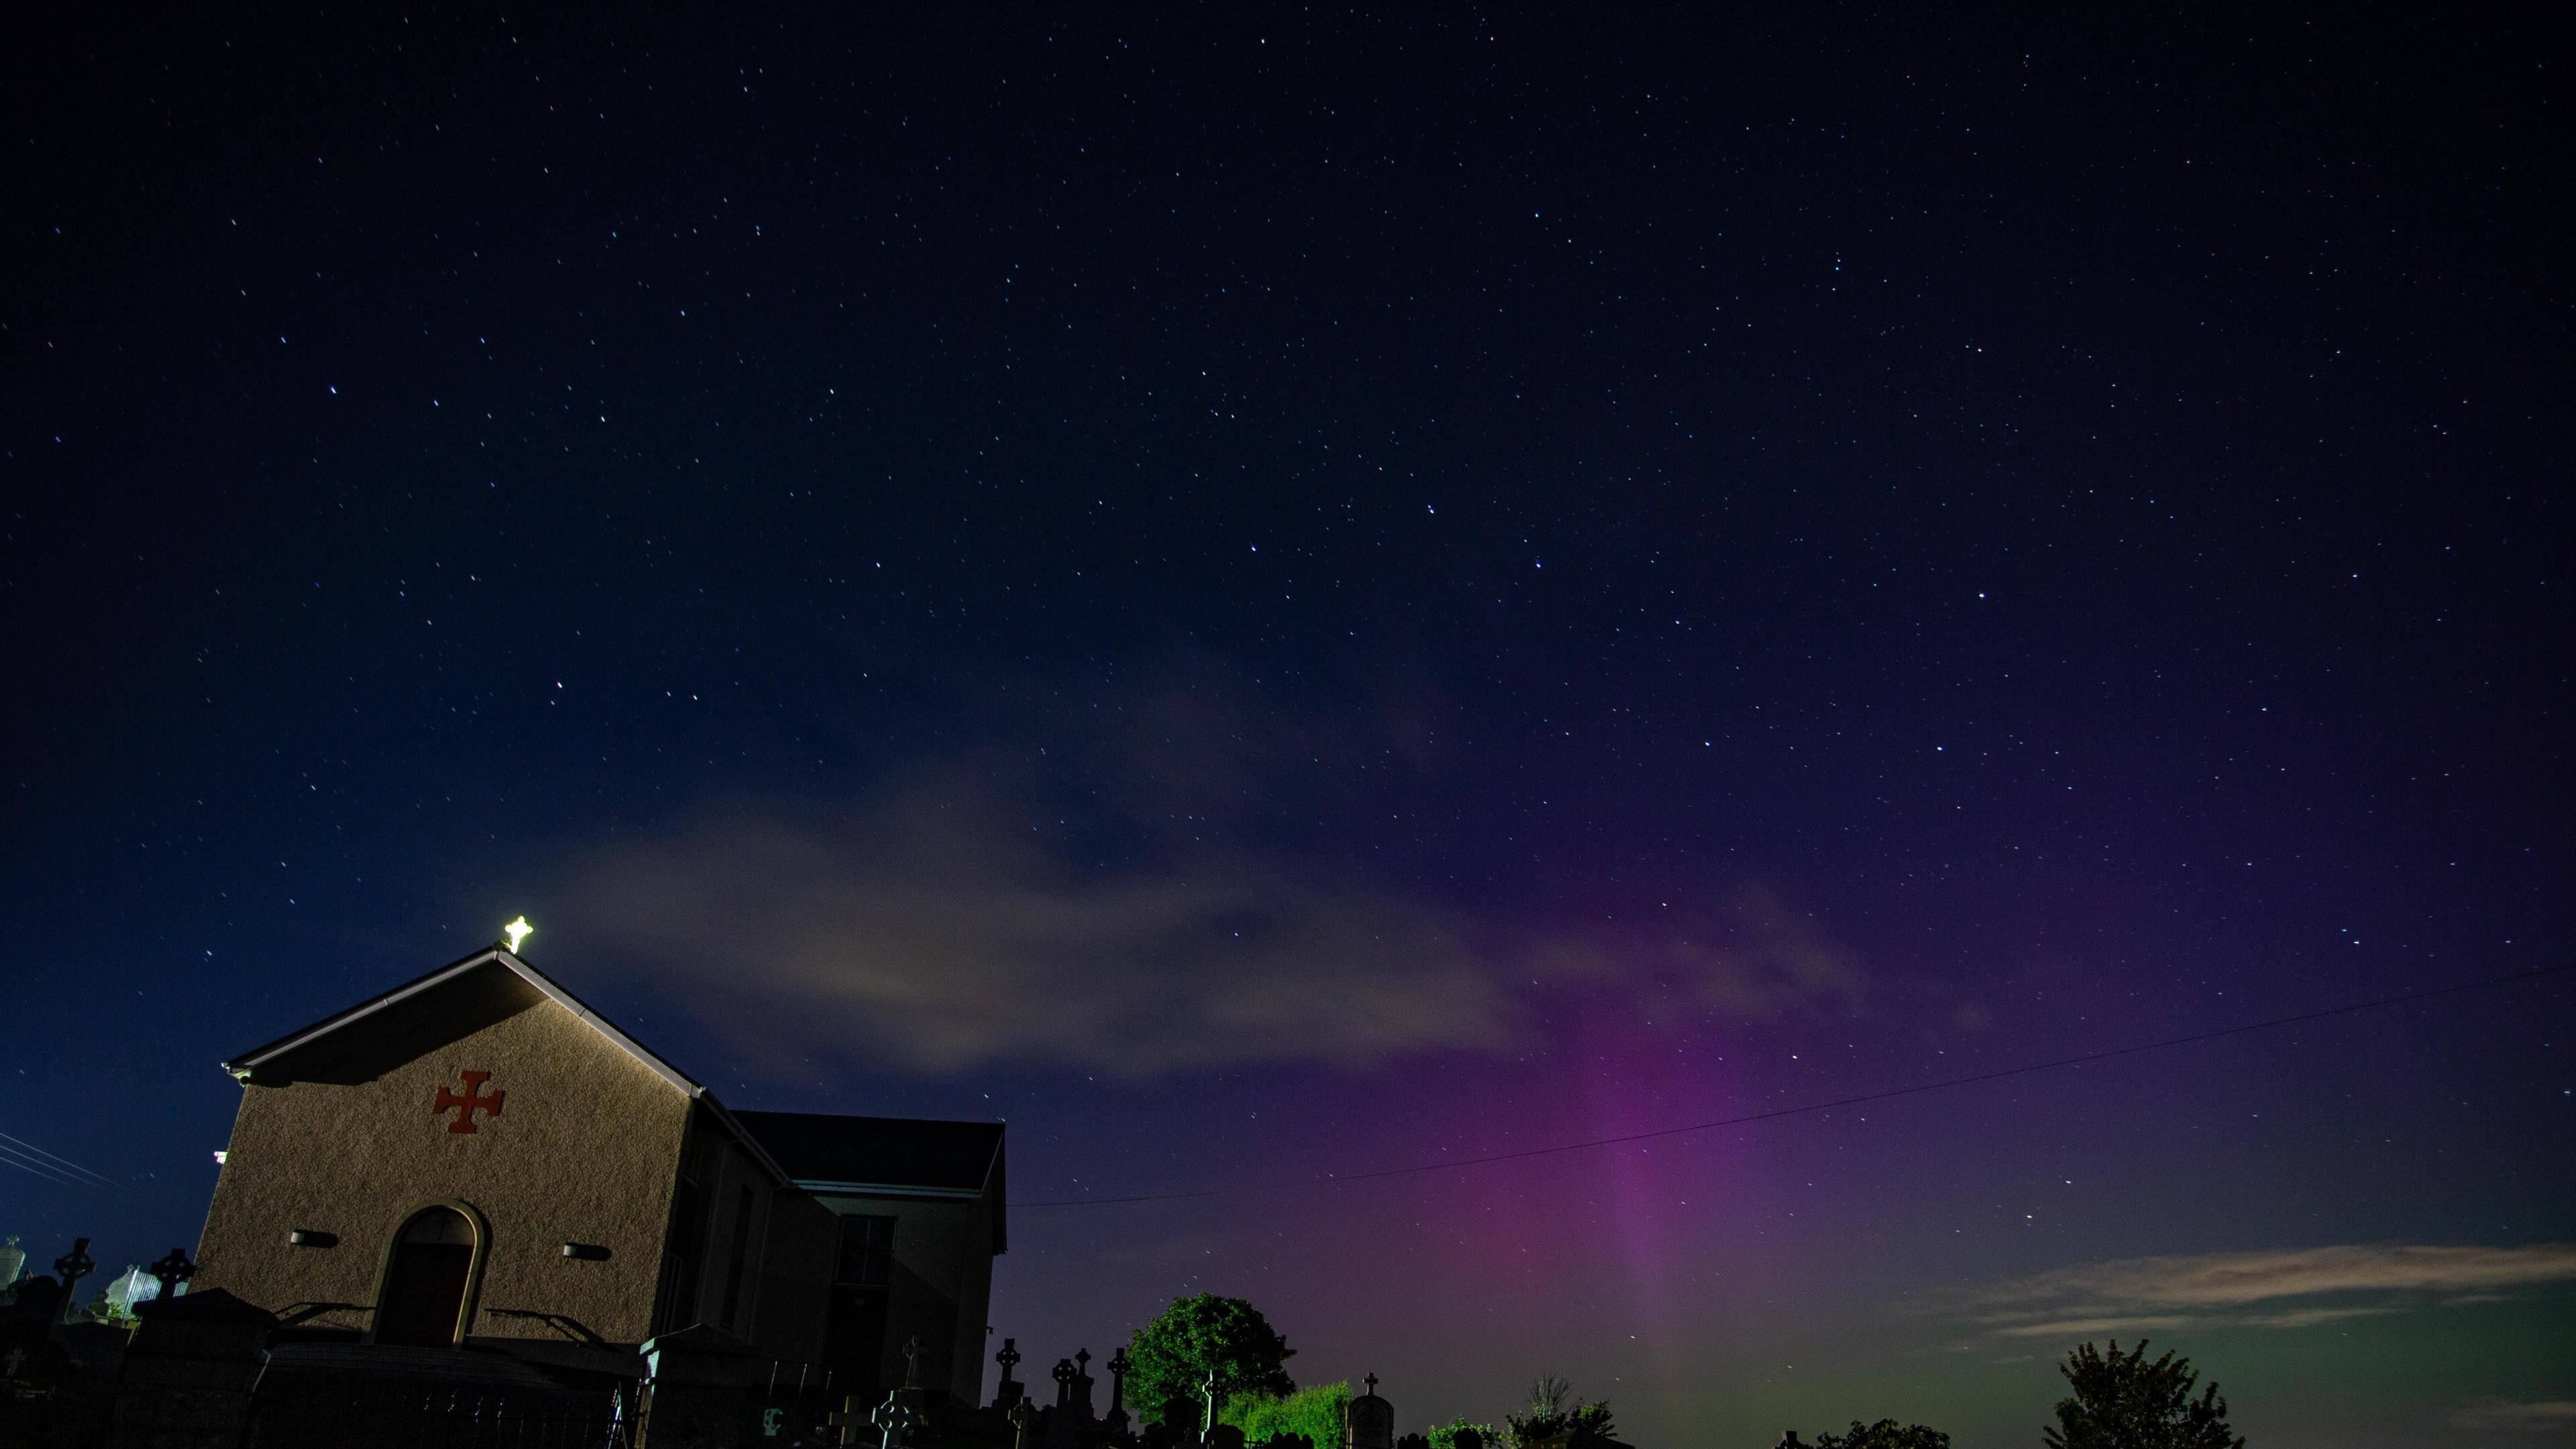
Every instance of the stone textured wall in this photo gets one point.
(585, 1150)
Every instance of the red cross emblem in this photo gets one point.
(473, 1100)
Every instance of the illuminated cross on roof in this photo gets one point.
(518, 930)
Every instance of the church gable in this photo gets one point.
(482, 1088)
(418, 1016)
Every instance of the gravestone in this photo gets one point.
(1369, 1423)
(175, 1270)
(1081, 1403)
(1115, 1421)
(895, 1420)
(69, 1269)
(1008, 1391)
(1467, 1438)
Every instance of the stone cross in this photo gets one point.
(1063, 1377)
(1371, 1381)
(174, 1270)
(1007, 1392)
(474, 1100)
(1024, 1425)
(1082, 1384)
(912, 1362)
(1207, 1425)
(895, 1421)
(851, 1419)
(73, 1266)
(1119, 1364)
(16, 1357)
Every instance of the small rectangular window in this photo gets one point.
(867, 1252)
(680, 1260)
(742, 1210)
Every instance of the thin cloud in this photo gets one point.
(2217, 1290)
(920, 934)
(1104, 905)
(2540, 1416)
(2089, 1327)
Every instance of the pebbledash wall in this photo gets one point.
(583, 1151)
(681, 1211)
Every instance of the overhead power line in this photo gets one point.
(1861, 1100)
(18, 1152)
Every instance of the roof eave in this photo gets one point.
(242, 1067)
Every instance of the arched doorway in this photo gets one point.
(425, 1281)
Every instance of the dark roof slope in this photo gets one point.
(889, 1152)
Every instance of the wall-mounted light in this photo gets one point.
(312, 1238)
(586, 1252)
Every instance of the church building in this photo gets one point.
(476, 1159)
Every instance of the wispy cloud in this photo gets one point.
(1101, 904)
(928, 933)
(2139, 1295)
(2541, 1416)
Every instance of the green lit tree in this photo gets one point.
(1885, 1434)
(1445, 1436)
(2123, 1402)
(1313, 1415)
(1174, 1354)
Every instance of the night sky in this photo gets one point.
(1292, 596)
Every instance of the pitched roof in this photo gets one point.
(467, 986)
(902, 1156)
(246, 1065)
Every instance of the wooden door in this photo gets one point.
(424, 1292)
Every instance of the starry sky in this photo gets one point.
(1272, 596)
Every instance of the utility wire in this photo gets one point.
(20, 1147)
(29, 1164)
(1861, 1100)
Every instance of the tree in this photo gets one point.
(1445, 1436)
(1885, 1434)
(1174, 1353)
(2123, 1402)
(1314, 1414)
(1555, 1415)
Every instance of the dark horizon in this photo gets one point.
(1273, 598)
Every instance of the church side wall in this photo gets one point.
(942, 1286)
(726, 1173)
(796, 1277)
(585, 1150)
